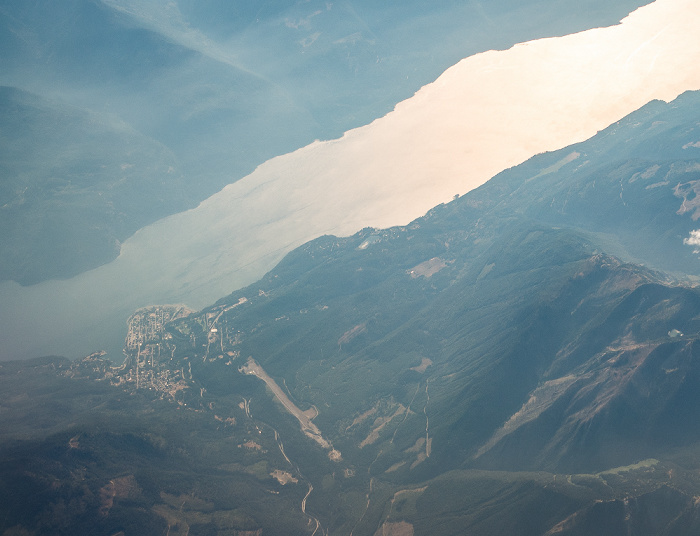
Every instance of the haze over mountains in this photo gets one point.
(210, 89)
(485, 114)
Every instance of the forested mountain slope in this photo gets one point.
(522, 360)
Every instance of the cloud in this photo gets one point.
(693, 239)
(306, 23)
(310, 40)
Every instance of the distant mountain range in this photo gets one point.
(521, 360)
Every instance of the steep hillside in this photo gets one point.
(633, 186)
(67, 203)
(484, 301)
